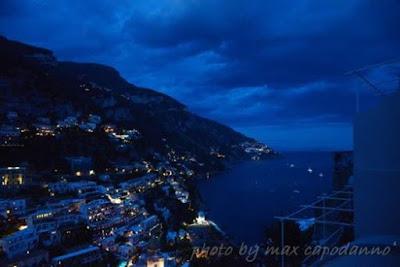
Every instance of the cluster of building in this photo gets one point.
(13, 126)
(81, 217)
(114, 214)
(180, 193)
(10, 130)
(256, 150)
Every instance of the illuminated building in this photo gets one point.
(155, 261)
(9, 135)
(109, 128)
(16, 206)
(140, 183)
(13, 176)
(43, 129)
(67, 122)
(80, 165)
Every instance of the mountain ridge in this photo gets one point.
(81, 89)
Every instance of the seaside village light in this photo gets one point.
(117, 174)
(201, 219)
(22, 227)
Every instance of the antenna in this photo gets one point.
(360, 73)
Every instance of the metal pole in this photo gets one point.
(282, 243)
(327, 208)
(398, 86)
(323, 218)
(335, 198)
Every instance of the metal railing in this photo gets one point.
(336, 203)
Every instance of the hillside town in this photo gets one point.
(95, 171)
(199, 133)
(142, 213)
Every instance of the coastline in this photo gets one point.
(249, 182)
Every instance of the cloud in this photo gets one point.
(244, 63)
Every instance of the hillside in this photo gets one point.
(35, 85)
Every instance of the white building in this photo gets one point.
(48, 220)
(101, 214)
(148, 223)
(376, 184)
(83, 257)
(140, 183)
(76, 187)
(19, 243)
(125, 251)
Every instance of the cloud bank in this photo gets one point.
(272, 69)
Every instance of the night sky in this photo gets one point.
(274, 70)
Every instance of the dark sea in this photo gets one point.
(244, 199)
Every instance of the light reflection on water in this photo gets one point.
(244, 199)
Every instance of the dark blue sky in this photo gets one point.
(271, 69)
